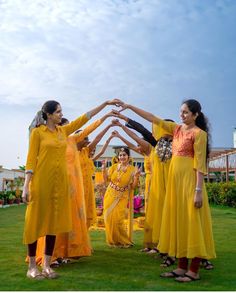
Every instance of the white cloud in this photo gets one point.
(151, 53)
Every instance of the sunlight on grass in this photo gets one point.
(114, 269)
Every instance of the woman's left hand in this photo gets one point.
(198, 199)
(116, 102)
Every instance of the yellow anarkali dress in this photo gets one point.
(75, 243)
(186, 231)
(49, 208)
(115, 205)
(156, 194)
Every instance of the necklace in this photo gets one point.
(121, 170)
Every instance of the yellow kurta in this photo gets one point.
(115, 206)
(148, 171)
(156, 194)
(186, 231)
(49, 208)
(89, 195)
(75, 243)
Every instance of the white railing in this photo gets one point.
(221, 161)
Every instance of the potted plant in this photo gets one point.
(1, 199)
(11, 198)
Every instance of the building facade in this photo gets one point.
(112, 151)
(8, 178)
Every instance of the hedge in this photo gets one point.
(222, 193)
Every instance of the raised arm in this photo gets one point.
(147, 135)
(99, 108)
(90, 128)
(146, 115)
(103, 148)
(143, 144)
(128, 143)
(93, 143)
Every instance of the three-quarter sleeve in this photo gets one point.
(200, 147)
(85, 132)
(76, 124)
(33, 151)
(163, 127)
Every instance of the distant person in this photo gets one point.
(122, 178)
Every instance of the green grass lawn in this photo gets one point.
(115, 269)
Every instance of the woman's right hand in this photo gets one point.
(115, 133)
(119, 115)
(116, 102)
(116, 122)
(25, 194)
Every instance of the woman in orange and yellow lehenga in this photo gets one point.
(123, 178)
(186, 228)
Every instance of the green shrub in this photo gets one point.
(222, 193)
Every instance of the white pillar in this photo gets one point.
(234, 137)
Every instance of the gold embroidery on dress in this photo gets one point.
(183, 143)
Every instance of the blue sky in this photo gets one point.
(151, 53)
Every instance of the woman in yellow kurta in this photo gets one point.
(46, 184)
(186, 229)
(85, 149)
(76, 243)
(123, 178)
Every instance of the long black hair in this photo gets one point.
(201, 120)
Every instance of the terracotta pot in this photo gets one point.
(17, 200)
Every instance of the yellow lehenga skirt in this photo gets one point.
(185, 230)
(116, 209)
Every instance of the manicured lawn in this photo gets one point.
(115, 269)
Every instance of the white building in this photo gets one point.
(234, 137)
(111, 152)
(7, 177)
